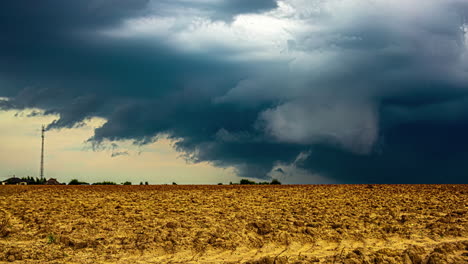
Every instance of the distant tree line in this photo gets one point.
(242, 182)
(249, 182)
(33, 181)
(37, 181)
(105, 183)
(77, 182)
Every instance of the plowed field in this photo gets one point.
(234, 224)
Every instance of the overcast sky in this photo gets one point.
(307, 91)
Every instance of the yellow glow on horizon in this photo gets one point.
(69, 156)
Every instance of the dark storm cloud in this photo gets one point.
(417, 152)
(215, 9)
(142, 89)
(371, 93)
(76, 12)
(235, 7)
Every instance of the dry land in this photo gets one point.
(425, 224)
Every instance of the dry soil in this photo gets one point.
(426, 224)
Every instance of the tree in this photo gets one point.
(275, 182)
(74, 182)
(127, 183)
(77, 182)
(247, 182)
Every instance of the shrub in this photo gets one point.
(51, 238)
(127, 183)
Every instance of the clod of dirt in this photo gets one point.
(172, 225)
(269, 260)
(313, 224)
(262, 228)
(299, 223)
(314, 259)
(264, 260)
(437, 258)
(80, 244)
(382, 259)
(77, 244)
(414, 254)
(405, 218)
(4, 226)
(446, 248)
(13, 255)
(352, 258)
(335, 226)
(352, 261)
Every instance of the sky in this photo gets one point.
(208, 91)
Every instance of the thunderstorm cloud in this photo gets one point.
(341, 91)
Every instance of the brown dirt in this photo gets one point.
(426, 224)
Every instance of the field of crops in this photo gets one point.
(234, 224)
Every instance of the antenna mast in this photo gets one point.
(42, 153)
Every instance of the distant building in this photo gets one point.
(28, 181)
(52, 181)
(13, 181)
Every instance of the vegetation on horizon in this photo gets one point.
(77, 182)
(107, 183)
(32, 181)
(29, 180)
(249, 182)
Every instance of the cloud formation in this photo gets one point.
(375, 91)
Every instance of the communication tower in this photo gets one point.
(42, 153)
